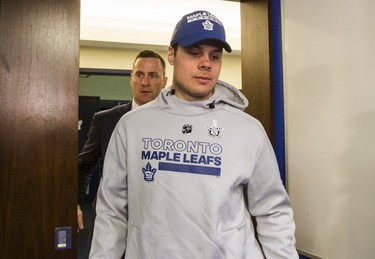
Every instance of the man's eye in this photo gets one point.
(215, 57)
(193, 53)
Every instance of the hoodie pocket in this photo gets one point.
(133, 250)
(240, 243)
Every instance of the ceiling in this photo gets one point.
(136, 23)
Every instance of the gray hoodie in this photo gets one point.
(182, 179)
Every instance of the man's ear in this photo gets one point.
(170, 55)
(165, 80)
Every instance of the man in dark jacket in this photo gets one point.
(147, 80)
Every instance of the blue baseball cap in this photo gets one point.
(197, 26)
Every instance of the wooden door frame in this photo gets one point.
(257, 62)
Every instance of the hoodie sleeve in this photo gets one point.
(111, 222)
(269, 203)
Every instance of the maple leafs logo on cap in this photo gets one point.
(208, 26)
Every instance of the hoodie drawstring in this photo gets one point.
(171, 92)
(212, 105)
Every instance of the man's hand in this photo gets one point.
(79, 219)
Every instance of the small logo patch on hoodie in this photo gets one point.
(187, 129)
(148, 173)
(214, 131)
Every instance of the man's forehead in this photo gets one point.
(208, 43)
(148, 62)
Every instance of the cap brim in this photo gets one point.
(189, 41)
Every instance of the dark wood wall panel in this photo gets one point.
(256, 61)
(39, 73)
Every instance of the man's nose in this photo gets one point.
(205, 62)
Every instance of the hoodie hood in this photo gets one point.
(224, 93)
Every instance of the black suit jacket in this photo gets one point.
(101, 128)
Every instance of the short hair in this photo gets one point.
(146, 53)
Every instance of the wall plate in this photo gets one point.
(63, 238)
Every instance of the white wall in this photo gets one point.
(330, 124)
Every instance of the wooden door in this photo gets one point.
(39, 71)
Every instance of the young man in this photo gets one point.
(147, 80)
(188, 170)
